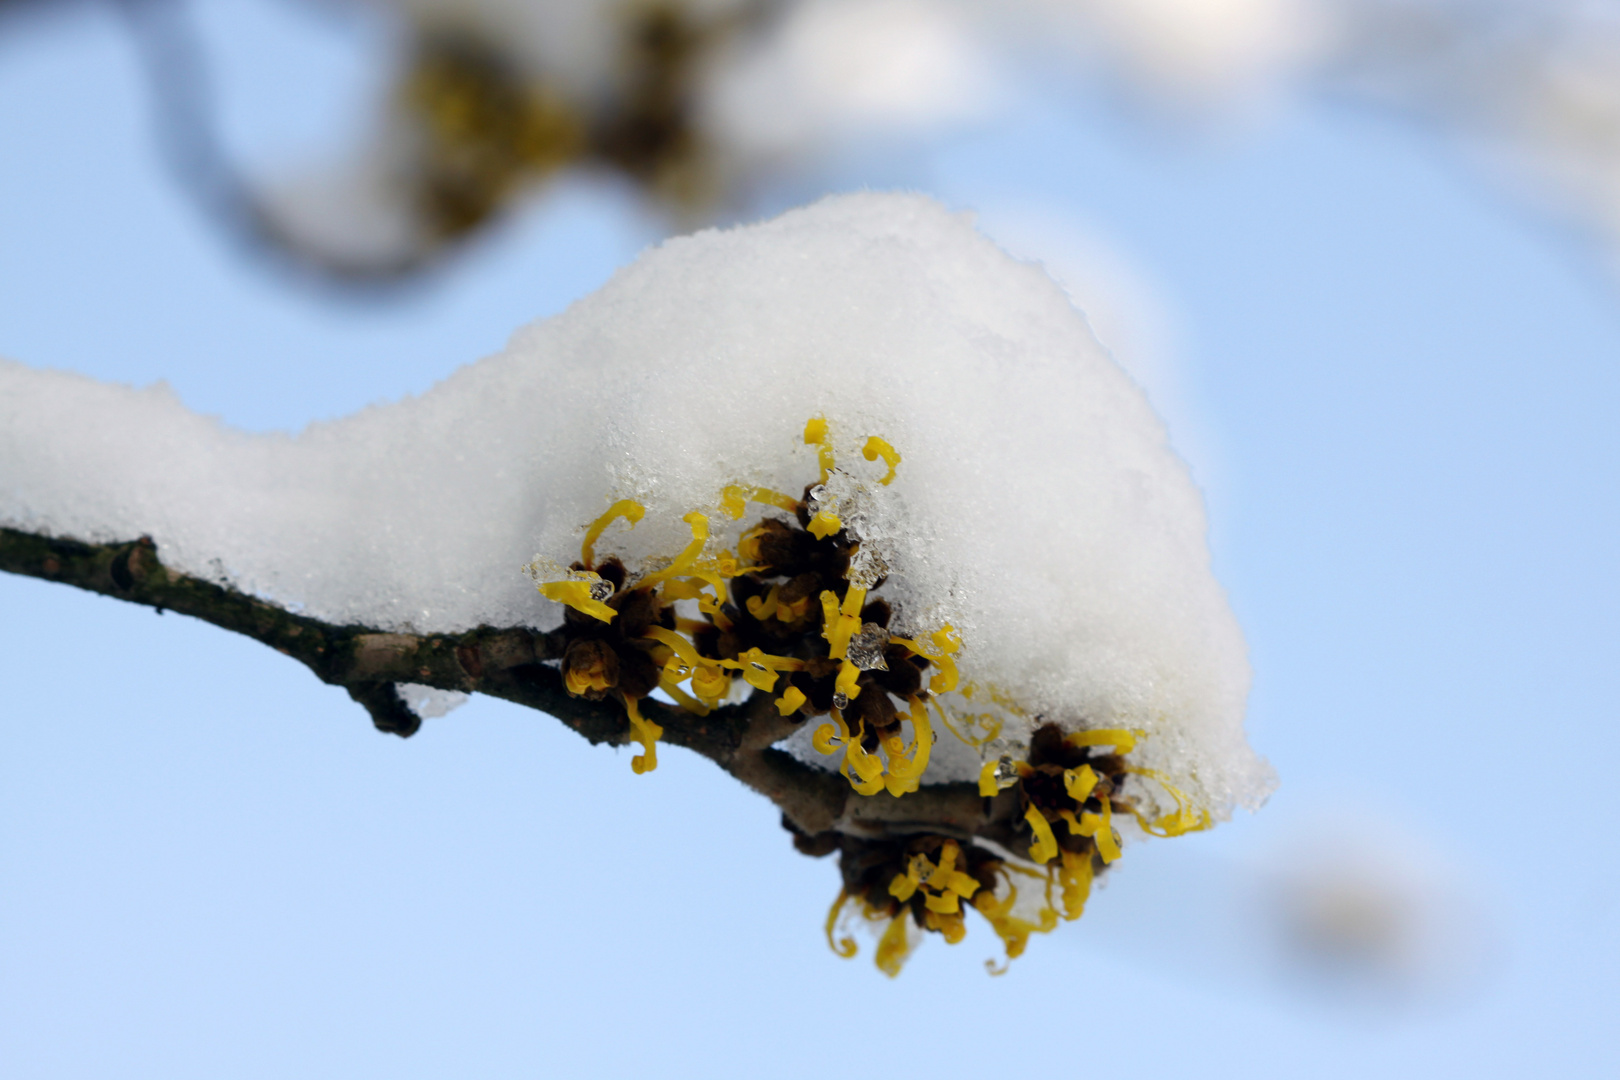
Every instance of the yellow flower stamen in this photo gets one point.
(628, 509)
(648, 733)
(875, 448)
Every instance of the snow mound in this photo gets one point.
(1037, 509)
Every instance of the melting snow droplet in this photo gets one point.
(867, 567)
(866, 648)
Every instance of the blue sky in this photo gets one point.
(210, 865)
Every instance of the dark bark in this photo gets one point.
(515, 664)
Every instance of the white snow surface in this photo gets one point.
(1038, 509)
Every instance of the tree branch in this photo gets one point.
(512, 664)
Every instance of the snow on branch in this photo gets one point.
(849, 502)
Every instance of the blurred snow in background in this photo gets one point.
(1345, 906)
(1527, 89)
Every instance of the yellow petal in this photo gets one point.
(1045, 845)
(875, 448)
(628, 509)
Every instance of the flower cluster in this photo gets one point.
(791, 612)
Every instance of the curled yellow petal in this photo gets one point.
(828, 737)
(682, 648)
(734, 497)
(987, 780)
(789, 703)
(866, 787)
(648, 733)
(876, 448)
(683, 699)
(1184, 819)
(895, 946)
(844, 946)
(710, 683)
(683, 589)
(628, 509)
(899, 785)
(1121, 739)
(854, 601)
(1107, 845)
(817, 435)
(845, 683)
(950, 926)
(759, 668)
(910, 765)
(824, 524)
(1079, 783)
(764, 607)
(963, 885)
(865, 765)
(944, 903)
(942, 644)
(1045, 845)
(576, 593)
(829, 613)
(840, 622)
(578, 680)
(903, 887)
(1075, 876)
(683, 562)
